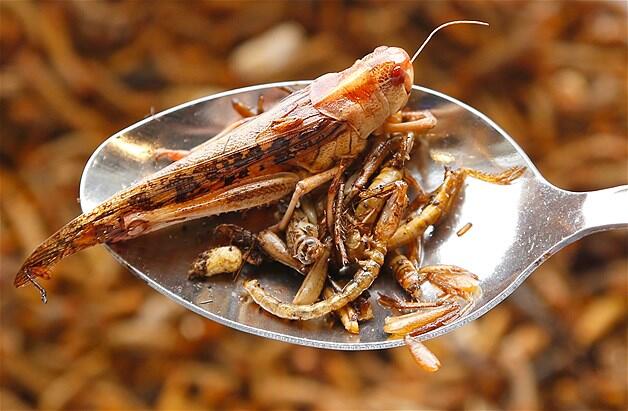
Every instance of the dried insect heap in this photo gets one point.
(364, 219)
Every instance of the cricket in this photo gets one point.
(331, 159)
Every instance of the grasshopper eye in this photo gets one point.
(397, 76)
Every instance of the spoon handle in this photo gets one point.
(606, 209)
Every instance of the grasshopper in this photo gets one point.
(290, 149)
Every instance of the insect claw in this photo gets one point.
(42, 290)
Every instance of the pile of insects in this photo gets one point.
(342, 227)
(314, 137)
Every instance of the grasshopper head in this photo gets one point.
(392, 69)
(368, 92)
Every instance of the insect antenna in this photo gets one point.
(427, 40)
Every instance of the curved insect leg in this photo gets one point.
(504, 178)
(247, 111)
(421, 122)
(421, 197)
(303, 187)
(372, 162)
(170, 154)
(369, 267)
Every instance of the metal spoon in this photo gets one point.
(515, 228)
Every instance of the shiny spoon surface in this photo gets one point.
(514, 229)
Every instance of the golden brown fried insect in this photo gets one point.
(443, 200)
(407, 275)
(422, 355)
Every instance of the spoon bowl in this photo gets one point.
(515, 228)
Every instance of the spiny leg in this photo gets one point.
(247, 111)
(303, 187)
(374, 159)
(251, 192)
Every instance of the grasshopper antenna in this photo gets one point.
(451, 23)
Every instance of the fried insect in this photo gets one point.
(217, 261)
(421, 354)
(453, 281)
(302, 238)
(443, 199)
(407, 275)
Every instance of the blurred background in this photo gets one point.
(553, 74)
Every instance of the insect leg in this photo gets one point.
(242, 109)
(504, 178)
(251, 192)
(172, 155)
(372, 163)
(416, 126)
(419, 125)
(302, 188)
